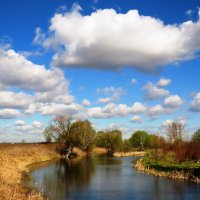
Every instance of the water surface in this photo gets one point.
(102, 177)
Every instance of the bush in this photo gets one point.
(126, 146)
(196, 136)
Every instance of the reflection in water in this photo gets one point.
(65, 176)
(101, 177)
(161, 188)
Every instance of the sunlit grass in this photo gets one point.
(169, 164)
(14, 159)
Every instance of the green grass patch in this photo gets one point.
(169, 165)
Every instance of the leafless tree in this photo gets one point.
(68, 134)
(60, 131)
(175, 131)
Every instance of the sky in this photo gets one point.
(122, 64)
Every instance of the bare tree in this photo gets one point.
(60, 131)
(68, 134)
(175, 131)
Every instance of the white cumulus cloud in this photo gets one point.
(36, 85)
(19, 122)
(106, 39)
(112, 110)
(136, 119)
(9, 113)
(153, 92)
(15, 100)
(163, 82)
(17, 71)
(155, 111)
(86, 102)
(34, 127)
(173, 101)
(195, 105)
(115, 94)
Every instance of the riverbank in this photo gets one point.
(172, 171)
(131, 153)
(99, 150)
(14, 159)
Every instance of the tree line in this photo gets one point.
(69, 134)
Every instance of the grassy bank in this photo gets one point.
(14, 159)
(188, 171)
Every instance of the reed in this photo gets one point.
(14, 159)
(131, 153)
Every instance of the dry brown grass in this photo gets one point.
(131, 153)
(99, 150)
(14, 159)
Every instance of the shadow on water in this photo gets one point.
(103, 177)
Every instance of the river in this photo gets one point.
(106, 178)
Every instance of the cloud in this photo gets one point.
(168, 122)
(113, 126)
(155, 111)
(5, 42)
(134, 81)
(136, 119)
(9, 113)
(35, 126)
(86, 102)
(170, 105)
(55, 109)
(62, 8)
(15, 100)
(59, 109)
(28, 54)
(138, 108)
(19, 123)
(163, 82)
(17, 71)
(173, 101)
(106, 39)
(189, 12)
(195, 105)
(59, 94)
(153, 92)
(115, 93)
(112, 110)
(42, 86)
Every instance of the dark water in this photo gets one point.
(101, 177)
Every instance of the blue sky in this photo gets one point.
(121, 64)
